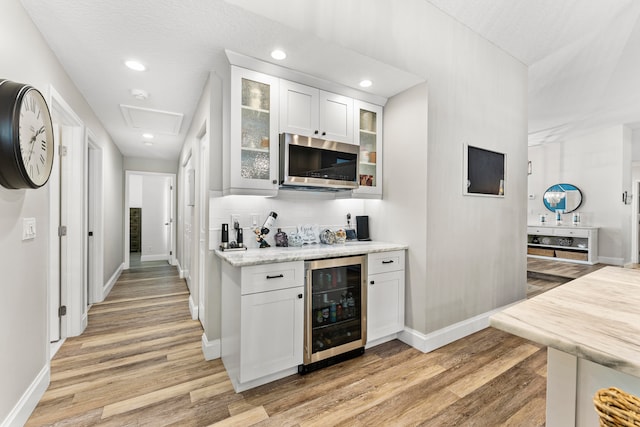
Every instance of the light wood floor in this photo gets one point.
(140, 363)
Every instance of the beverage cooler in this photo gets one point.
(335, 311)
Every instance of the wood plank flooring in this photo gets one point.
(140, 363)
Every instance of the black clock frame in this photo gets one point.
(13, 174)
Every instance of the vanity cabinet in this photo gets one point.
(254, 142)
(571, 243)
(385, 296)
(368, 125)
(262, 322)
(308, 111)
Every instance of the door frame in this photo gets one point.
(95, 220)
(635, 217)
(127, 216)
(203, 220)
(67, 268)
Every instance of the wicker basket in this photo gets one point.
(540, 251)
(617, 408)
(579, 256)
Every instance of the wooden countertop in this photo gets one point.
(595, 317)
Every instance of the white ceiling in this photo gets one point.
(583, 55)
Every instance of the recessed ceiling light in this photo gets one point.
(135, 65)
(148, 143)
(278, 54)
(366, 83)
(147, 135)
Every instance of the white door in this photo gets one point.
(203, 222)
(188, 224)
(95, 248)
(168, 225)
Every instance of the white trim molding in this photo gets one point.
(210, 349)
(193, 308)
(29, 400)
(611, 261)
(436, 339)
(106, 289)
(157, 257)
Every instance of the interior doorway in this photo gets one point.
(203, 221)
(67, 296)
(635, 223)
(149, 215)
(95, 224)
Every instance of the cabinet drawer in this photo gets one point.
(270, 277)
(572, 232)
(382, 262)
(540, 231)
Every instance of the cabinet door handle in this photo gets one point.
(315, 133)
(324, 133)
(372, 282)
(388, 262)
(300, 296)
(275, 277)
(275, 181)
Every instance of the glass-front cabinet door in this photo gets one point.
(254, 133)
(368, 125)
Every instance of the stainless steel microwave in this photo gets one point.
(314, 163)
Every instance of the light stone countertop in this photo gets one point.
(255, 256)
(595, 317)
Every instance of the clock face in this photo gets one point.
(36, 137)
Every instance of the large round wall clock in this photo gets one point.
(26, 136)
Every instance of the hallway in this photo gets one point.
(139, 362)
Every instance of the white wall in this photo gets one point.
(150, 165)
(135, 191)
(595, 163)
(24, 357)
(402, 216)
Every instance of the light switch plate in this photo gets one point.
(28, 228)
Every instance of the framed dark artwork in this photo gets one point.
(484, 172)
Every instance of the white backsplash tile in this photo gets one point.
(292, 212)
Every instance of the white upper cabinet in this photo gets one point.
(299, 109)
(308, 111)
(368, 125)
(253, 165)
(336, 117)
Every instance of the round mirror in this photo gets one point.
(562, 197)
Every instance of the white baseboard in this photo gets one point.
(193, 308)
(611, 261)
(180, 270)
(106, 289)
(210, 349)
(381, 340)
(29, 400)
(158, 257)
(431, 341)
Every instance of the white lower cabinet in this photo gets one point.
(385, 296)
(271, 332)
(262, 322)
